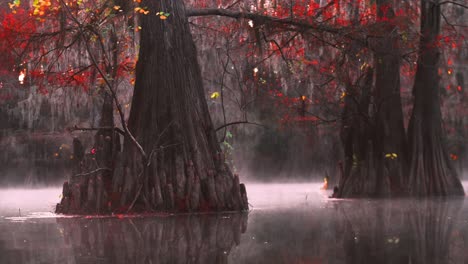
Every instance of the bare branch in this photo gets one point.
(261, 19)
(108, 84)
(453, 3)
(239, 122)
(76, 128)
(92, 172)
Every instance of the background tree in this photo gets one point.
(291, 66)
(431, 172)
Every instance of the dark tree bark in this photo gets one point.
(370, 133)
(89, 189)
(170, 119)
(181, 167)
(431, 172)
(390, 132)
(359, 178)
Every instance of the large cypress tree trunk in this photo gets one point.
(359, 177)
(181, 167)
(370, 134)
(390, 135)
(170, 119)
(431, 172)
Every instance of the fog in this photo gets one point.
(288, 136)
(287, 223)
(22, 204)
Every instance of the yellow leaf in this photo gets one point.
(363, 65)
(215, 95)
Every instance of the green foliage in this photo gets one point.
(227, 149)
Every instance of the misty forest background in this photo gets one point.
(283, 89)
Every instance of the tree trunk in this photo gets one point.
(359, 178)
(182, 168)
(170, 119)
(390, 135)
(431, 172)
(89, 188)
(375, 149)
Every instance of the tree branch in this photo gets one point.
(239, 122)
(92, 172)
(76, 128)
(108, 84)
(453, 3)
(260, 19)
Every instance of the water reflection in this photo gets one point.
(358, 231)
(289, 224)
(171, 239)
(422, 231)
(175, 239)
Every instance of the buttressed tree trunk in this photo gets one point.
(183, 168)
(169, 117)
(431, 172)
(390, 152)
(370, 134)
(359, 178)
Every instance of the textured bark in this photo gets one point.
(369, 134)
(390, 134)
(182, 168)
(431, 172)
(359, 178)
(90, 187)
(170, 118)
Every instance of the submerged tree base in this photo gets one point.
(93, 190)
(171, 159)
(79, 196)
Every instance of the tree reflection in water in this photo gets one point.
(403, 231)
(173, 239)
(398, 231)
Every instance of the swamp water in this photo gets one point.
(288, 223)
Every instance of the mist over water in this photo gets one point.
(288, 223)
(23, 202)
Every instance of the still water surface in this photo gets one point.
(288, 223)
